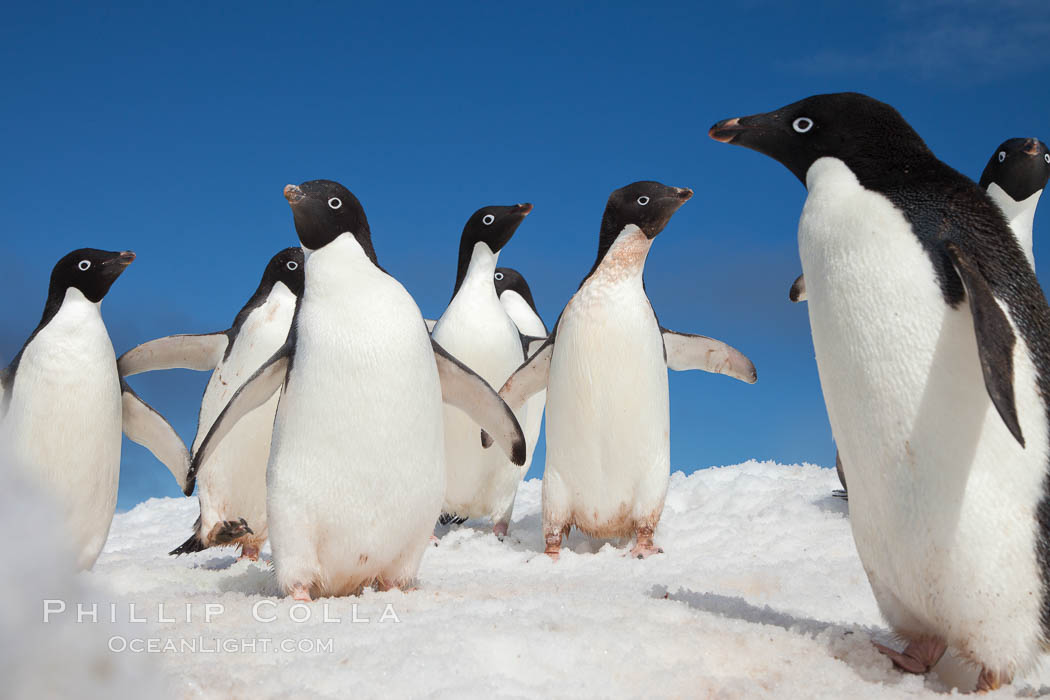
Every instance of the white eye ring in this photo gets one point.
(335, 203)
(292, 265)
(499, 276)
(84, 265)
(488, 219)
(643, 200)
(802, 124)
(1002, 156)
(1046, 157)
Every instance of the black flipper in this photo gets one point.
(798, 289)
(995, 338)
(253, 393)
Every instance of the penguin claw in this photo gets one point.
(919, 657)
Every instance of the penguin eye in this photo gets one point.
(1002, 156)
(292, 265)
(488, 219)
(802, 124)
(84, 265)
(335, 202)
(643, 200)
(1046, 157)
(499, 276)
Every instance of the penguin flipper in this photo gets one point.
(6, 379)
(463, 388)
(142, 424)
(995, 338)
(267, 380)
(687, 351)
(431, 322)
(199, 352)
(531, 343)
(798, 289)
(530, 378)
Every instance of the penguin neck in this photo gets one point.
(338, 269)
(1020, 215)
(623, 262)
(476, 271)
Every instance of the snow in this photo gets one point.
(759, 594)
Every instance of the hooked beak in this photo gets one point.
(684, 193)
(523, 209)
(1031, 147)
(293, 194)
(125, 258)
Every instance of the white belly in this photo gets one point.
(233, 483)
(356, 473)
(528, 323)
(608, 445)
(941, 495)
(477, 331)
(63, 425)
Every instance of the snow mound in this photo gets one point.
(759, 594)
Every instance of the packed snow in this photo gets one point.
(759, 594)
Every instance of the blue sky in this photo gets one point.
(172, 132)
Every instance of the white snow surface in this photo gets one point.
(759, 594)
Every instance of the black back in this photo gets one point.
(1020, 167)
(324, 210)
(89, 270)
(285, 267)
(647, 204)
(946, 211)
(494, 226)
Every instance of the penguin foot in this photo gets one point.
(644, 547)
(500, 530)
(249, 552)
(553, 545)
(919, 657)
(301, 592)
(991, 680)
(228, 531)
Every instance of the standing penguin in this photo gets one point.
(356, 475)
(516, 297)
(605, 370)
(932, 340)
(1015, 177)
(63, 405)
(477, 330)
(232, 490)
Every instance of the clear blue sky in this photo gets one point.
(172, 131)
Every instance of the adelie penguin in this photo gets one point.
(604, 367)
(63, 405)
(932, 341)
(356, 475)
(1014, 178)
(477, 330)
(516, 296)
(232, 491)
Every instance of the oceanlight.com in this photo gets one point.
(213, 645)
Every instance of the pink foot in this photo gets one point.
(918, 657)
(301, 592)
(249, 553)
(500, 530)
(991, 680)
(644, 547)
(553, 545)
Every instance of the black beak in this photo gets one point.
(293, 194)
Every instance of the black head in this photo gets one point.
(509, 279)
(90, 270)
(285, 267)
(493, 226)
(324, 210)
(646, 204)
(868, 135)
(1020, 167)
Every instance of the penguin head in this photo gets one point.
(493, 226)
(867, 135)
(287, 268)
(1020, 167)
(323, 211)
(507, 279)
(646, 204)
(89, 270)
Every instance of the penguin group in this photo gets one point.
(342, 426)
